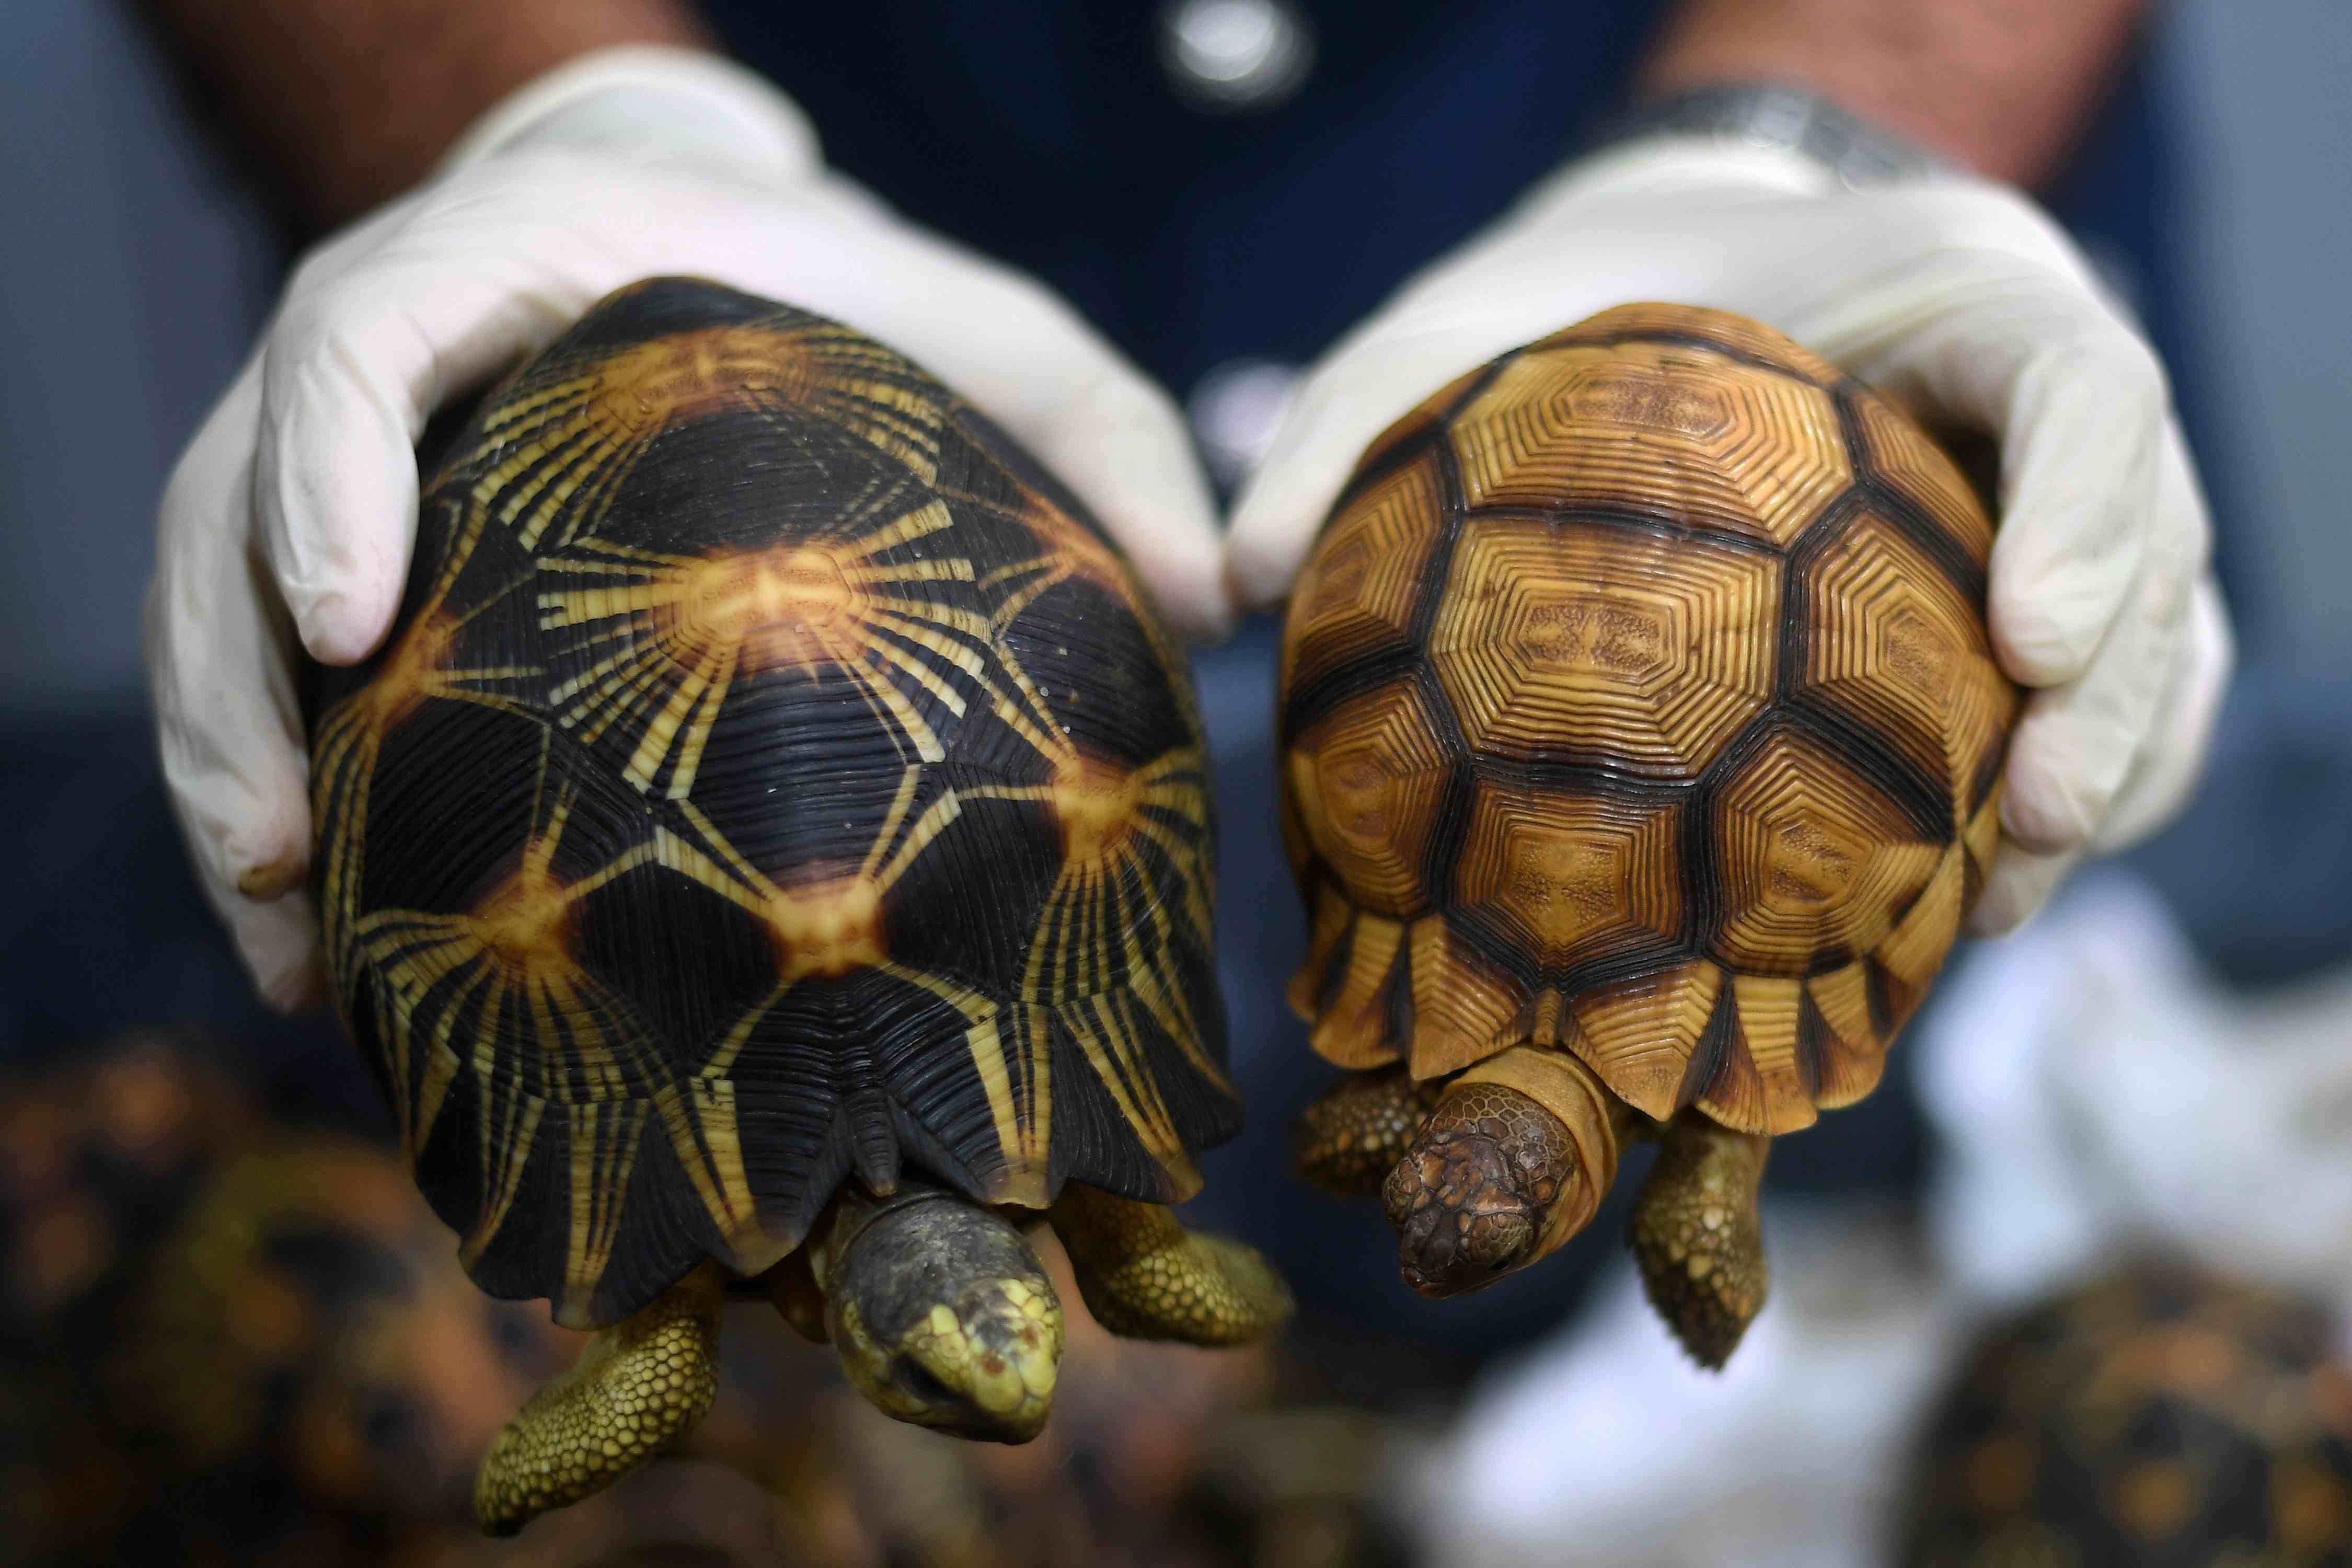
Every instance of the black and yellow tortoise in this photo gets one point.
(2160, 1415)
(775, 845)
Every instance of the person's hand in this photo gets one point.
(292, 515)
(1955, 295)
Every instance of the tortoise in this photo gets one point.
(229, 1338)
(772, 853)
(2158, 1414)
(1642, 745)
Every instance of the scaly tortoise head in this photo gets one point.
(1642, 740)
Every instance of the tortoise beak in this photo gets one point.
(986, 1367)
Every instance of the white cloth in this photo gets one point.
(1956, 297)
(2093, 1089)
(1606, 1448)
(292, 515)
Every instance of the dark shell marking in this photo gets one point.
(772, 772)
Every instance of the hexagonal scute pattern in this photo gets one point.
(1355, 597)
(1812, 859)
(1572, 876)
(1592, 642)
(1721, 332)
(1692, 767)
(1369, 778)
(1658, 429)
(1900, 455)
(1891, 643)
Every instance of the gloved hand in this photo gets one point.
(292, 513)
(1956, 297)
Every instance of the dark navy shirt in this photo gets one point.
(1047, 133)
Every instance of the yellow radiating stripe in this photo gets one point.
(926, 828)
(931, 517)
(1054, 575)
(1185, 857)
(745, 886)
(665, 725)
(927, 677)
(1152, 1133)
(886, 692)
(723, 1060)
(521, 1130)
(964, 657)
(909, 780)
(596, 674)
(698, 733)
(984, 1039)
(707, 1105)
(602, 1157)
(930, 569)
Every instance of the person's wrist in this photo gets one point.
(636, 99)
(1765, 116)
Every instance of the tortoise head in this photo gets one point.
(941, 1313)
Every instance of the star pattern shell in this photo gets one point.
(2158, 1414)
(772, 774)
(1638, 703)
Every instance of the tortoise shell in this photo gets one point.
(224, 1338)
(2161, 1414)
(1637, 701)
(772, 772)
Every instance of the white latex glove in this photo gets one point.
(1955, 295)
(291, 514)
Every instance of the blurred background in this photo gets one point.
(1545, 1421)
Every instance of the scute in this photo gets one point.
(1586, 643)
(1689, 766)
(772, 769)
(1724, 445)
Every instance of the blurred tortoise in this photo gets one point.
(1641, 747)
(228, 1340)
(2160, 1416)
(774, 784)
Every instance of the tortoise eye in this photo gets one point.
(924, 1384)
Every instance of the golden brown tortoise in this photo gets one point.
(1642, 748)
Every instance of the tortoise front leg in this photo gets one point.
(1698, 1238)
(637, 1387)
(1351, 1135)
(1144, 1275)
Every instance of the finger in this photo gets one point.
(357, 361)
(2078, 740)
(1358, 393)
(2019, 884)
(1027, 360)
(2079, 406)
(229, 729)
(2173, 757)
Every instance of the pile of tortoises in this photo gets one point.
(774, 852)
